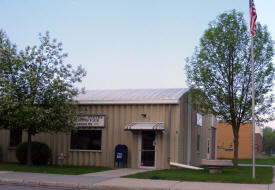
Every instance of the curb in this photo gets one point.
(46, 183)
(17, 181)
(66, 185)
(96, 186)
(104, 187)
(74, 186)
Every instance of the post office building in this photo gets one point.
(154, 126)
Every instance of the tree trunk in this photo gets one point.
(29, 157)
(236, 148)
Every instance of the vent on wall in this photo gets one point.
(143, 115)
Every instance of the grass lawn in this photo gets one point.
(242, 175)
(268, 160)
(52, 169)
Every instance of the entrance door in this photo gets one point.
(147, 149)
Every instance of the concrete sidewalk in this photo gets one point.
(117, 173)
(107, 182)
(145, 184)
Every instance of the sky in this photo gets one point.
(124, 44)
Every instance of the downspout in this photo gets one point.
(189, 134)
(169, 134)
(185, 166)
(216, 133)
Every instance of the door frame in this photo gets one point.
(213, 153)
(139, 151)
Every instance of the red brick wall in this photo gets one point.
(258, 143)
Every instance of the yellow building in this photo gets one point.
(225, 139)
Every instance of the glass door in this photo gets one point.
(148, 149)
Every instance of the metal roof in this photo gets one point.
(131, 96)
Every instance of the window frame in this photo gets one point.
(21, 140)
(85, 129)
(198, 147)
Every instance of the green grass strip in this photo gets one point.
(241, 175)
(52, 169)
(266, 160)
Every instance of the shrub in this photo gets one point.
(1, 154)
(41, 153)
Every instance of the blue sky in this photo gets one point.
(124, 43)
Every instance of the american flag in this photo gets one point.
(253, 17)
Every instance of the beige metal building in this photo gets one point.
(158, 126)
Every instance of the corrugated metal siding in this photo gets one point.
(195, 158)
(182, 142)
(204, 132)
(117, 116)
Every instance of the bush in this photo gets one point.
(1, 154)
(41, 153)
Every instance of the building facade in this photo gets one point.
(158, 126)
(225, 148)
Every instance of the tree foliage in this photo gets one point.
(269, 140)
(36, 87)
(219, 72)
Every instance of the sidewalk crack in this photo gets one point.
(172, 186)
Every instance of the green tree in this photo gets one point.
(268, 140)
(219, 73)
(37, 88)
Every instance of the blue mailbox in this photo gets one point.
(121, 155)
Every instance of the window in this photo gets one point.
(208, 145)
(199, 120)
(15, 138)
(86, 140)
(198, 143)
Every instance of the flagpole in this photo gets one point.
(253, 108)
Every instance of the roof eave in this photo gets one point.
(93, 102)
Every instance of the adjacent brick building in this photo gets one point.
(225, 146)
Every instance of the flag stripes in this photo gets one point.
(253, 17)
